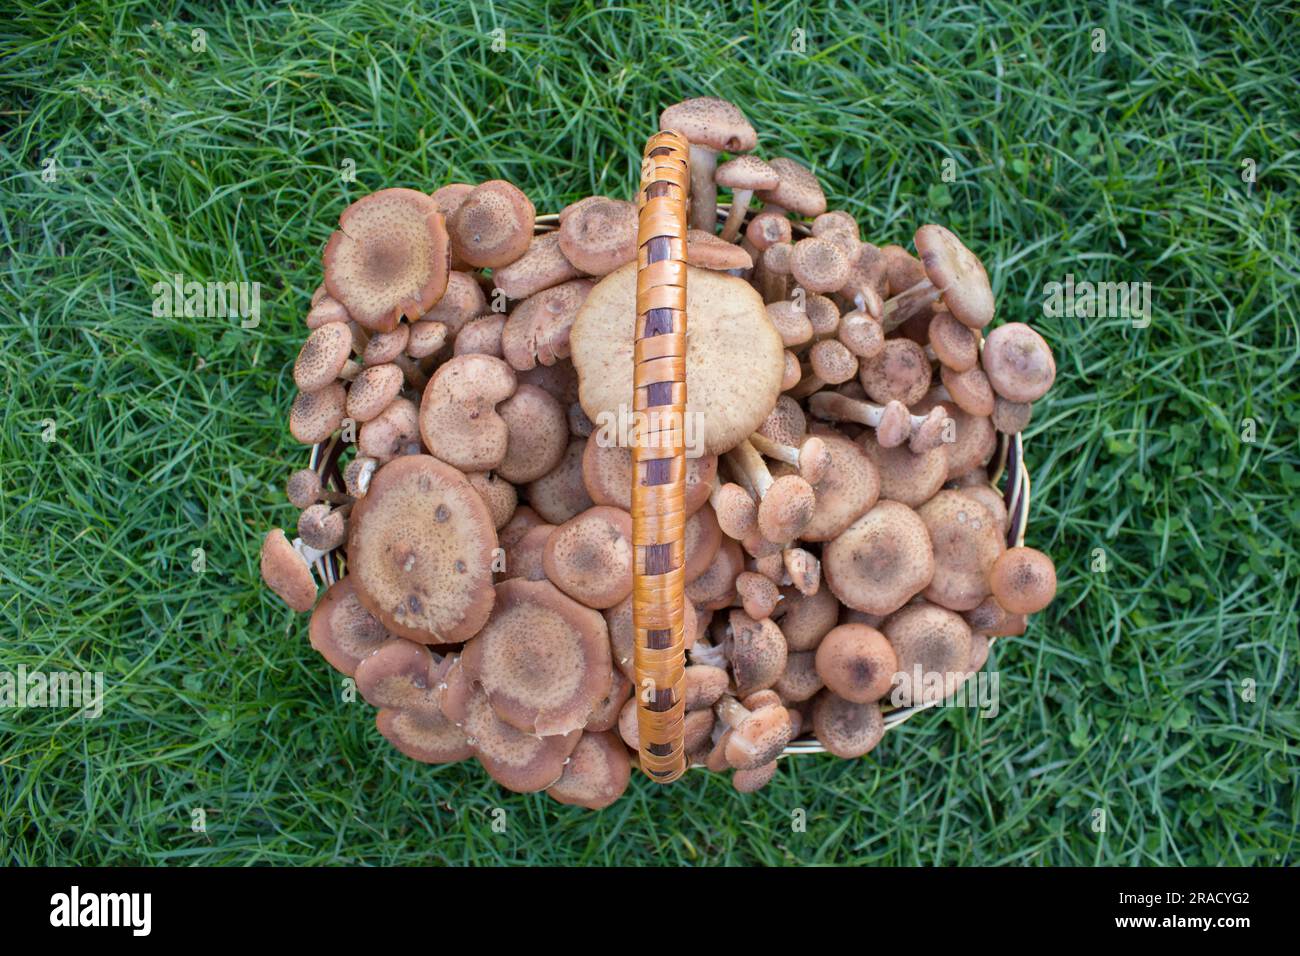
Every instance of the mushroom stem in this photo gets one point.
(704, 191)
(804, 569)
(808, 385)
(924, 432)
(908, 303)
(736, 217)
(811, 457)
(746, 460)
(731, 711)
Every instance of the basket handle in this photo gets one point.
(659, 456)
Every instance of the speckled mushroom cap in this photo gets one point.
(1018, 362)
(449, 197)
(420, 551)
(462, 301)
(458, 417)
(711, 122)
(322, 356)
(316, 415)
(905, 476)
(746, 172)
(493, 226)
(597, 773)
(559, 494)
(704, 250)
(537, 331)
(714, 589)
(758, 737)
(758, 652)
(701, 541)
(734, 358)
(599, 234)
(958, 274)
(389, 257)
(938, 642)
(806, 618)
(791, 322)
(819, 265)
(405, 681)
(970, 390)
(542, 658)
(900, 372)
(1023, 580)
(543, 266)
(974, 439)
(856, 662)
(844, 728)
(955, 345)
(519, 761)
(538, 434)
(499, 495)
(798, 190)
(286, 573)
(966, 540)
(832, 362)
(427, 337)
(786, 509)
(861, 334)
(589, 557)
(849, 486)
(373, 390)
(881, 560)
(767, 229)
(343, 631)
(786, 423)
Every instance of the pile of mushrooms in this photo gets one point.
(843, 533)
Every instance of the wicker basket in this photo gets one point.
(658, 517)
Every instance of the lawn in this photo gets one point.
(1149, 717)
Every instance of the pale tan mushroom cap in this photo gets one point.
(589, 557)
(901, 371)
(392, 432)
(704, 250)
(543, 266)
(880, 561)
(786, 423)
(420, 551)
(832, 362)
(790, 322)
(449, 197)
(759, 739)
(542, 658)
(714, 588)
(849, 486)
(970, 390)
(974, 437)
(497, 493)
(322, 356)
(458, 418)
(559, 494)
(786, 509)
(758, 652)
(958, 274)
(1011, 417)
(463, 300)
(538, 434)
(934, 639)
(847, 729)
(537, 331)
(599, 235)
(493, 226)
(389, 257)
(767, 229)
(734, 358)
(798, 190)
(955, 345)
(806, 618)
(373, 390)
(966, 540)
(819, 265)
(711, 122)
(1019, 362)
(597, 773)
(286, 573)
(906, 476)
(746, 172)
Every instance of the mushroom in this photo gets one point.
(388, 258)
(955, 346)
(764, 230)
(462, 301)
(812, 458)
(1011, 417)
(900, 372)
(304, 489)
(702, 539)
(343, 631)
(597, 773)
(523, 557)
(894, 425)
(906, 477)
(803, 569)
(286, 572)
(800, 680)
(735, 510)
(543, 266)
(598, 234)
(797, 192)
(743, 175)
(757, 736)
(537, 331)
(394, 431)
(952, 273)
(819, 265)
(449, 197)
(374, 389)
(322, 527)
(805, 619)
(498, 494)
(405, 681)
(325, 310)
(1023, 580)
(705, 685)
(861, 334)
(969, 389)
(713, 589)
(966, 541)
(315, 416)
(458, 418)
(757, 651)
(969, 440)
(420, 551)
(734, 358)
(754, 779)
(589, 557)
(357, 475)
(993, 620)
(786, 504)
(704, 250)
(849, 486)
(933, 646)
(791, 322)
(881, 560)
(856, 662)
(711, 126)
(493, 226)
(541, 658)
(538, 432)
(758, 594)
(605, 716)
(322, 357)
(773, 273)
(844, 728)
(1018, 362)
(481, 336)
(607, 475)
(830, 363)
(559, 494)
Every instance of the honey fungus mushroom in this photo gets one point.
(458, 416)
(1018, 362)
(343, 631)
(967, 541)
(711, 126)
(598, 234)
(881, 560)
(389, 258)
(953, 273)
(537, 331)
(420, 551)
(933, 646)
(286, 572)
(856, 662)
(596, 774)
(493, 226)
(404, 680)
(589, 557)
(542, 658)
(1023, 580)
(844, 728)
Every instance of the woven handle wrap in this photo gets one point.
(659, 456)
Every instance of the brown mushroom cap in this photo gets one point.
(392, 432)
(734, 358)
(317, 415)
(757, 653)
(605, 716)
(862, 335)
(714, 588)
(543, 266)
(758, 594)
(498, 494)
(991, 499)
(286, 573)
(711, 122)
(1023, 580)
(798, 190)
(790, 322)
(449, 197)
(704, 250)
(559, 494)
(1011, 417)
(958, 274)
(539, 433)
(705, 685)
(599, 235)
(373, 390)
(819, 265)
(800, 680)
(857, 663)
(966, 540)
(493, 226)
(462, 301)
(844, 728)
(322, 357)
(786, 423)
(832, 362)
(849, 486)
(538, 330)
(458, 417)
(420, 551)
(757, 737)
(389, 257)
(560, 379)
(767, 229)
(881, 561)
(321, 527)
(597, 773)
(900, 372)
(541, 658)
(746, 172)
(786, 508)
(1019, 362)
(523, 558)
(384, 347)
(992, 619)
(969, 389)
(702, 539)
(806, 618)
(589, 557)
(955, 346)
(303, 488)
(324, 310)
(405, 681)
(933, 639)
(736, 512)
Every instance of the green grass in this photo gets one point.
(1125, 696)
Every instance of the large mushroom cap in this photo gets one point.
(599, 234)
(493, 225)
(734, 357)
(542, 658)
(958, 274)
(850, 485)
(286, 573)
(389, 257)
(597, 772)
(420, 551)
(967, 540)
(589, 557)
(458, 418)
(798, 190)
(881, 560)
(712, 122)
(934, 651)
(1018, 362)
(343, 631)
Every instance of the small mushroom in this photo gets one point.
(704, 250)
(537, 331)
(597, 773)
(952, 273)
(800, 681)
(598, 234)
(462, 301)
(881, 560)
(797, 192)
(861, 334)
(357, 475)
(373, 391)
(812, 457)
(849, 486)
(304, 489)
(969, 440)
(993, 620)
(315, 416)
(757, 736)
(404, 680)
(589, 557)
(955, 346)
(966, 541)
(830, 363)
(906, 477)
(286, 573)
(806, 618)
(322, 527)
(856, 662)
(1011, 418)
(458, 417)
(757, 651)
(969, 389)
(803, 569)
(900, 372)
(449, 197)
(388, 258)
(786, 504)
(713, 589)
(1018, 362)
(819, 265)
(543, 266)
(560, 494)
(844, 728)
(322, 357)
(933, 646)
(343, 631)
(758, 595)
(605, 716)
(893, 423)
(394, 431)
(523, 557)
(711, 126)
(735, 510)
(791, 323)
(498, 494)
(705, 685)
(754, 779)
(493, 226)
(773, 273)
(1023, 580)
(538, 432)
(743, 175)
